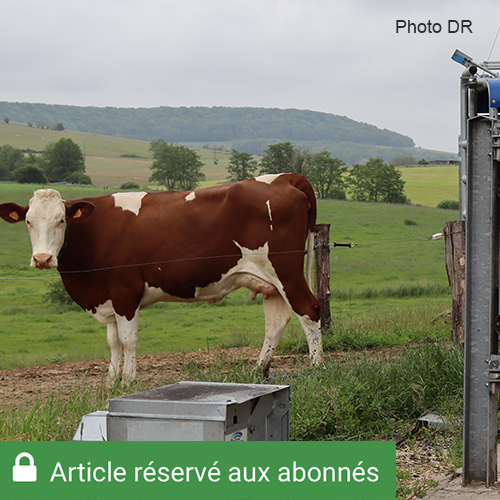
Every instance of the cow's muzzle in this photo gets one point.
(43, 261)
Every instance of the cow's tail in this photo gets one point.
(309, 262)
(301, 183)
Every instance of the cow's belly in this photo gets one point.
(253, 271)
(214, 292)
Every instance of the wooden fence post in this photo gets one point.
(322, 274)
(454, 232)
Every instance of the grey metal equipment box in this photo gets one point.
(202, 411)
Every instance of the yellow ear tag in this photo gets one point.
(78, 214)
(14, 215)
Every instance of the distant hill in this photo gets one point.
(245, 129)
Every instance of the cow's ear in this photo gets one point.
(79, 210)
(12, 213)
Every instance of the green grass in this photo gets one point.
(431, 185)
(354, 398)
(35, 333)
(388, 252)
(391, 262)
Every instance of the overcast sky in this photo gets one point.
(334, 56)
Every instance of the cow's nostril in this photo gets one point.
(42, 260)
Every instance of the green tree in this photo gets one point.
(30, 174)
(175, 166)
(61, 159)
(78, 178)
(10, 160)
(130, 185)
(404, 161)
(325, 173)
(376, 181)
(241, 166)
(279, 158)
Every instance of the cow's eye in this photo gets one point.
(63, 220)
(28, 222)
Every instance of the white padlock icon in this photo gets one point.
(24, 473)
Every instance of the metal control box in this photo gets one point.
(202, 411)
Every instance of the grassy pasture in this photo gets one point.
(390, 254)
(432, 184)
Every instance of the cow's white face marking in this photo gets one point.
(129, 201)
(268, 178)
(46, 220)
(191, 196)
(268, 203)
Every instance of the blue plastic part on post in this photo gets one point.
(458, 58)
(494, 92)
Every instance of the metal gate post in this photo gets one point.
(481, 305)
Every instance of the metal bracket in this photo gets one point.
(494, 372)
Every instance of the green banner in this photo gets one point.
(197, 470)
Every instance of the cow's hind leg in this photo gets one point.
(307, 308)
(312, 329)
(116, 353)
(277, 314)
(127, 333)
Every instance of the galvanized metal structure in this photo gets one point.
(479, 146)
(202, 411)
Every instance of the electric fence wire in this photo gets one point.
(187, 259)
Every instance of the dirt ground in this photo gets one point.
(19, 386)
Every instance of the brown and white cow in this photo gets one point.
(120, 253)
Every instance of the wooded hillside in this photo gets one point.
(246, 129)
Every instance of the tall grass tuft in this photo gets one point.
(386, 328)
(376, 399)
(397, 292)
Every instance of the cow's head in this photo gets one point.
(47, 217)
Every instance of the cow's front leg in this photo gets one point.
(115, 347)
(127, 333)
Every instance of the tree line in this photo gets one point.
(202, 124)
(61, 161)
(178, 167)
